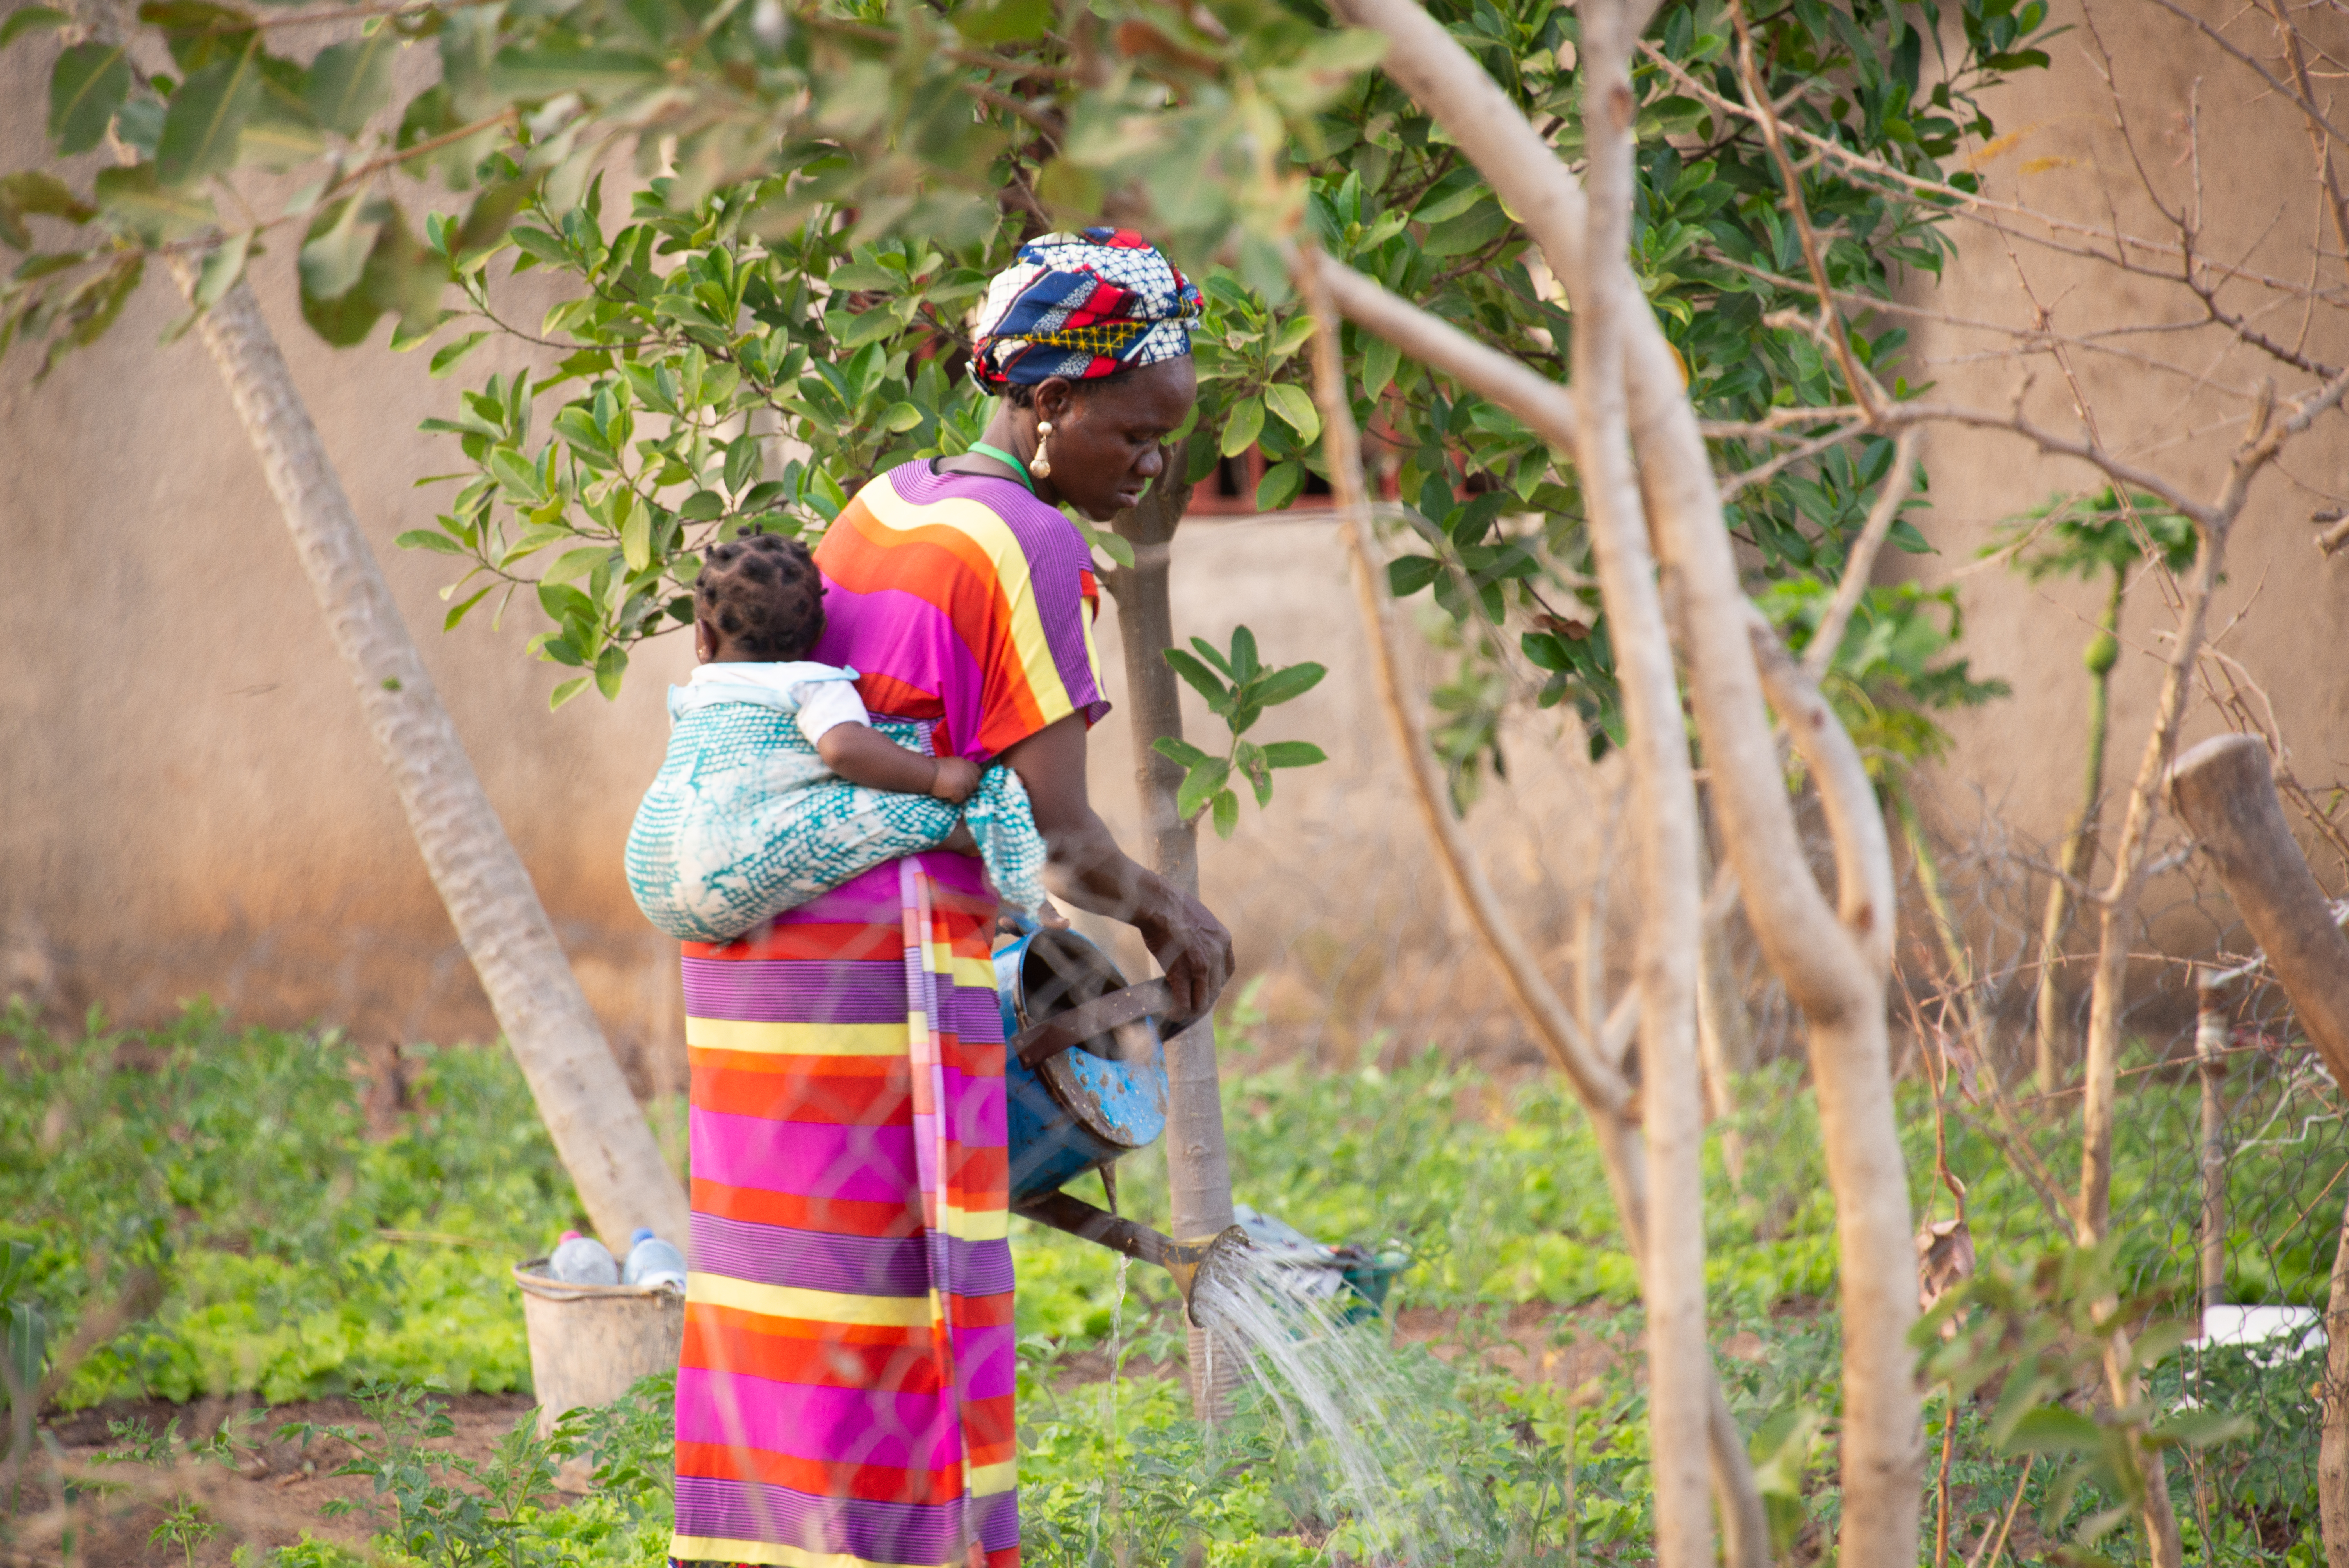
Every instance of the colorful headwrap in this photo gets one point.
(1083, 306)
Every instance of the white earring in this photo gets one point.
(1040, 465)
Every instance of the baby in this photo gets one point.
(778, 785)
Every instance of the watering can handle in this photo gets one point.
(1038, 1043)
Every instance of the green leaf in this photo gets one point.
(1181, 751)
(450, 621)
(1227, 813)
(1282, 484)
(88, 84)
(336, 253)
(574, 564)
(1292, 754)
(1242, 426)
(1111, 544)
(1203, 780)
(1380, 360)
(34, 190)
(1243, 664)
(1293, 337)
(601, 76)
(637, 534)
(900, 417)
(610, 666)
(1200, 677)
(445, 359)
(31, 19)
(742, 456)
(565, 692)
(861, 276)
(133, 200)
(431, 539)
(870, 327)
(223, 266)
(1295, 406)
(2199, 1428)
(1002, 21)
(280, 133)
(2053, 1429)
(351, 82)
(1286, 685)
(205, 118)
(518, 475)
(1407, 575)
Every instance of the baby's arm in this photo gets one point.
(862, 754)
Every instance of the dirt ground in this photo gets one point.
(269, 1502)
(282, 1486)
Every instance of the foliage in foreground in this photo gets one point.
(222, 1182)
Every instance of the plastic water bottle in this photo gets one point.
(583, 1260)
(653, 1262)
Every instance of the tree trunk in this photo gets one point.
(2078, 854)
(599, 1133)
(1199, 1160)
(2224, 790)
(1667, 952)
(1590, 1073)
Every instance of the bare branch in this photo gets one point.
(2315, 116)
(1545, 406)
(1860, 563)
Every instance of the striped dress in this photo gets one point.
(845, 1396)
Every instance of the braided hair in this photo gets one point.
(763, 595)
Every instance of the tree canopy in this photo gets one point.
(776, 307)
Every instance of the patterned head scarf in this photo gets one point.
(1083, 306)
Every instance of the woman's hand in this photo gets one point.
(1194, 949)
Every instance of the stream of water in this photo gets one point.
(1350, 1408)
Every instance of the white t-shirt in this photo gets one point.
(825, 694)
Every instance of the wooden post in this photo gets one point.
(2224, 790)
(2213, 1028)
(2333, 1446)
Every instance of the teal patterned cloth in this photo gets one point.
(744, 821)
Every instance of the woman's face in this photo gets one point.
(1104, 446)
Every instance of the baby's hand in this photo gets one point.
(956, 778)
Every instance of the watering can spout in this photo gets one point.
(1187, 1260)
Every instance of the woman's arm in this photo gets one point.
(1087, 869)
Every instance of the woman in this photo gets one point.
(845, 1396)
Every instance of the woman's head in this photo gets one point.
(757, 598)
(1091, 333)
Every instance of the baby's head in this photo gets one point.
(758, 599)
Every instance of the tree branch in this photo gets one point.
(1860, 563)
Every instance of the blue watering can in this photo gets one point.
(1084, 1070)
(1085, 1083)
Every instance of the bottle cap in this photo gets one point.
(641, 1233)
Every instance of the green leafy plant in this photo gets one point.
(2058, 1326)
(24, 1339)
(1238, 686)
(447, 1510)
(186, 1524)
